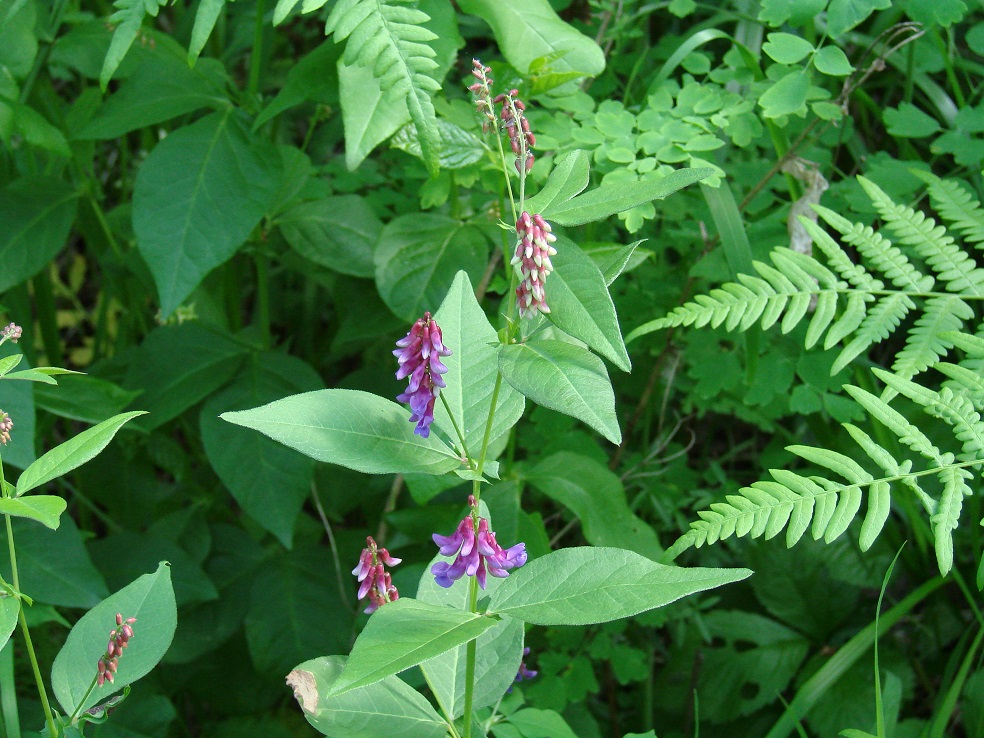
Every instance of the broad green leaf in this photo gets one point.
(45, 509)
(197, 197)
(541, 723)
(597, 497)
(472, 369)
(580, 304)
(337, 232)
(843, 15)
(54, 566)
(565, 378)
(350, 428)
(609, 199)
(456, 147)
(568, 179)
(269, 481)
(425, 631)
(787, 48)
(831, 60)
(9, 611)
(936, 12)
(418, 256)
(386, 708)
(498, 651)
(37, 214)
(177, 366)
(581, 586)
(613, 261)
(369, 116)
(797, 12)
(158, 90)
(295, 609)
(787, 96)
(33, 127)
(18, 38)
(9, 363)
(529, 29)
(150, 600)
(85, 398)
(72, 453)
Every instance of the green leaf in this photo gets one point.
(9, 612)
(529, 29)
(935, 12)
(8, 363)
(797, 12)
(150, 600)
(418, 256)
(269, 481)
(569, 177)
(18, 402)
(614, 262)
(499, 650)
(786, 48)
(369, 116)
(337, 232)
(787, 96)
(197, 197)
(37, 214)
(45, 509)
(205, 20)
(565, 378)
(127, 21)
(908, 121)
(54, 565)
(831, 60)
(314, 77)
(472, 370)
(456, 147)
(581, 306)
(85, 398)
(158, 90)
(41, 374)
(425, 631)
(386, 708)
(541, 723)
(350, 428)
(177, 366)
(843, 15)
(72, 453)
(287, 611)
(596, 496)
(34, 127)
(615, 197)
(581, 586)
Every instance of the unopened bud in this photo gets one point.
(119, 619)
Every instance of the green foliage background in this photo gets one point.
(208, 207)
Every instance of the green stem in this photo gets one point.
(488, 432)
(8, 693)
(92, 686)
(457, 430)
(470, 661)
(256, 55)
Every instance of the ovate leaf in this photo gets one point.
(45, 509)
(581, 586)
(350, 428)
(197, 197)
(337, 232)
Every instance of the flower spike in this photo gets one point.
(376, 582)
(419, 354)
(532, 263)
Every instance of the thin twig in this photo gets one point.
(342, 589)
(389, 507)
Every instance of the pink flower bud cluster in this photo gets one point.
(6, 425)
(376, 582)
(521, 139)
(419, 354)
(475, 553)
(532, 263)
(483, 95)
(119, 637)
(11, 332)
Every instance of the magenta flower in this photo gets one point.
(532, 263)
(419, 354)
(376, 581)
(521, 139)
(476, 554)
(6, 425)
(119, 638)
(483, 94)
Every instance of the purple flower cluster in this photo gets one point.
(419, 354)
(6, 425)
(483, 94)
(376, 582)
(521, 139)
(532, 263)
(11, 332)
(475, 553)
(119, 638)
(524, 672)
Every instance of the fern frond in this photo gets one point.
(128, 19)
(967, 381)
(388, 36)
(879, 252)
(956, 206)
(905, 431)
(925, 344)
(930, 241)
(877, 325)
(947, 515)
